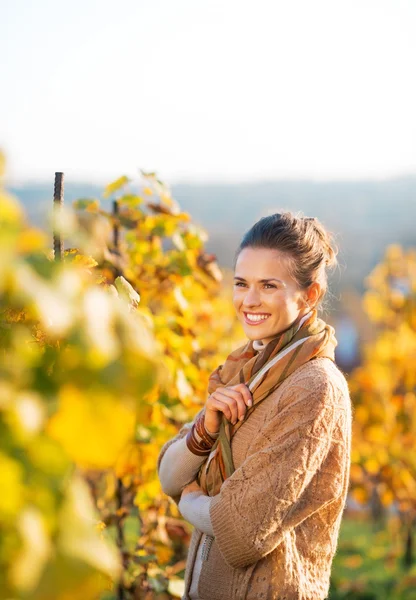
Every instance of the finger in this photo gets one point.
(246, 393)
(231, 403)
(239, 399)
(220, 406)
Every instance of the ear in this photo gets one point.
(313, 294)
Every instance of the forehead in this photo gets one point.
(262, 263)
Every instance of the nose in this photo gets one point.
(251, 298)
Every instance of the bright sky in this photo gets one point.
(208, 89)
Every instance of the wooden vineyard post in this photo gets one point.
(58, 202)
(116, 238)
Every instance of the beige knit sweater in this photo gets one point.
(276, 520)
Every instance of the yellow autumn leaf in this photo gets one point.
(147, 494)
(31, 240)
(12, 486)
(114, 186)
(376, 433)
(101, 421)
(356, 473)
(361, 414)
(89, 204)
(85, 261)
(373, 306)
(387, 497)
(360, 494)
(164, 554)
(408, 480)
(128, 461)
(372, 466)
(11, 212)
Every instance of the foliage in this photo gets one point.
(367, 564)
(75, 366)
(383, 469)
(105, 354)
(175, 286)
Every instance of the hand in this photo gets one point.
(191, 487)
(232, 401)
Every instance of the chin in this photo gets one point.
(253, 335)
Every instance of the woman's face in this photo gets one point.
(266, 298)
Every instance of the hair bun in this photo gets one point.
(329, 248)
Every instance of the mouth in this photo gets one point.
(255, 318)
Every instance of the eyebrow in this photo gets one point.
(262, 280)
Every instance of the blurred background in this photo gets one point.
(240, 109)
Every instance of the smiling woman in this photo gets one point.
(265, 295)
(263, 470)
(280, 272)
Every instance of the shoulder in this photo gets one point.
(316, 373)
(319, 381)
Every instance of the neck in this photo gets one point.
(261, 344)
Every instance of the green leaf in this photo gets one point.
(127, 291)
(90, 204)
(131, 530)
(143, 558)
(157, 585)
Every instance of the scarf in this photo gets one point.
(263, 372)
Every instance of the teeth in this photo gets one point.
(257, 317)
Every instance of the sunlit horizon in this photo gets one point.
(208, 92)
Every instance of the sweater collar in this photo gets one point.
(258, 345)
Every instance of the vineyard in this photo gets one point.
(106, 348)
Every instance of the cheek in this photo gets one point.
(237, 297)
(292, 304)
(278, 299)
(282, 301)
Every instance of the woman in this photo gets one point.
(263, 470)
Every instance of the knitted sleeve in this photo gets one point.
(194, 507)
(296, 465)
(176, 465)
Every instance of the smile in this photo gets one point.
(255, 318)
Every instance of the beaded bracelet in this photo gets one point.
(198, 440)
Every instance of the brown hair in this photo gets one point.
(308, 245)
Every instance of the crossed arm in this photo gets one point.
(178, 467)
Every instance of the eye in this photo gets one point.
(270, 285)
(239, 283)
